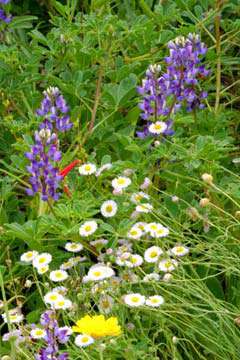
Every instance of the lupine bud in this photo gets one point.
(54, 110)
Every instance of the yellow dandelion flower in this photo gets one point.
(97, 326)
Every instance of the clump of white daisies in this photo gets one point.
(116, 264)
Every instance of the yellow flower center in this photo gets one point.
(133, 260)
(53, 297)
(61, 303)
(87, 167)
(158, 126)
(153, 227)
(41, 260)
(97, 273)
(58, 275)
(29, 255)
(39, 332)
(154, 301)
(133, 232)
(180, 249)
(109, 208)
(121, 181)
(135, 299)
(153, 254)
(85, 339)
(88, 228)
(168, 264)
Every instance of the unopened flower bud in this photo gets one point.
(193, 213)
(130, 326)
(204, 202)
(128, 172)
(147, 182)
(174, 339)
(117, 192)
(207, 178)
(237, 214)
(175, 199)
(167, 277)
(28, 284)
(157, 143)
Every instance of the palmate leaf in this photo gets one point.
(31, 232)
(118, 94)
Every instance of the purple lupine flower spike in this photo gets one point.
(3, 16)
(55, 335)
(54, 111)
(178, 86)
(44, 174)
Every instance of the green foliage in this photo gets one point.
(76, 45)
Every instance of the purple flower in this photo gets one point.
(4, 17)
(54, 111)
(44, 174)
(178, 86)
(55, 335)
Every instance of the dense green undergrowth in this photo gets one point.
(97, 53)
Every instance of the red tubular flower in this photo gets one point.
(68, 168)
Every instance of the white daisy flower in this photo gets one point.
(67, 265)
(152, 254)
(62, 290)
(155, 301)
(167, 265)
(157, 128)
(141, 225)
(179, 250)
(134, 260)
(42, 269)
(151, 277)
(87, 169)
(99, 272)
(121, 182)
(120, 261)
(106, 304)
(157, 230)
(135, 233)
(62, 304)
(38, 333)
(83, 340)
(15, 316)
(52, 297)
(42, 260)
(28, 256)
(137, 197)
(88, 228)
(58, 275)
(73, 247)
(103, 168)
(134, 300)
(109, 208)
(144, 208)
